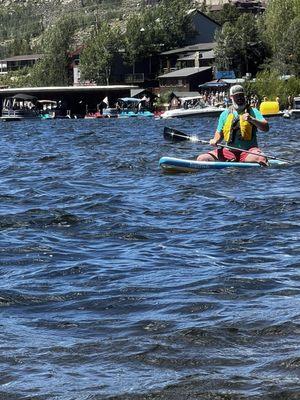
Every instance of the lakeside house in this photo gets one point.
(15, 63)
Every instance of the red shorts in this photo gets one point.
(224, 154)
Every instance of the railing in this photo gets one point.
(134, 78)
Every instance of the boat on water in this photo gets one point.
(18, 107)
(126, 107)
(173, 164)
(132, 107)
(295, 111)
(193, 106)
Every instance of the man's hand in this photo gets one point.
(261, 125)
(213, 142)
(247, 117)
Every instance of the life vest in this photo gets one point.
(233, 123)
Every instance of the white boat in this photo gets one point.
(19, 106)
(193, 107)
(295, 111)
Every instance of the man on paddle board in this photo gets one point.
(238, 126)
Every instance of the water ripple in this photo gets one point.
(121, 282)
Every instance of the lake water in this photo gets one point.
(121, 282)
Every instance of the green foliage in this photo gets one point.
(18, 46)
(270, 84)
(277, 17)
(18, 23)
(19, 78)
(281, 33)
(239, 46)
(52, 69)
(99, 54)
(155, 29)
(229, 13)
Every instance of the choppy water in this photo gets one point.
(121, 282)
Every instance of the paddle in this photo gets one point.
(178, 136)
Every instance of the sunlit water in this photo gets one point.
(120, 281)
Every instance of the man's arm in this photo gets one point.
(257, 121)
(218, 137)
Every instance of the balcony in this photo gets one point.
(134, 78)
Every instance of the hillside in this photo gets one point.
(22, 22)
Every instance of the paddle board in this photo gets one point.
(172, 164)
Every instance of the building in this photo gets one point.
(254, 6)
(187, 67)
(18, 62)
(185, 79)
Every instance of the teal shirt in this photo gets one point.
(238, 141)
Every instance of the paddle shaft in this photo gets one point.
(195, 139)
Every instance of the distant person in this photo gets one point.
(289, 102)
(237, 126)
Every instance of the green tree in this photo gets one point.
(239, 46)
(52, 69)
(277, 17)
(271, 85)
(291, 47)
(282, 35)
(229, 13)
(164, 26)
(19, 46)
(99, 54)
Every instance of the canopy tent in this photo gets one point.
(47, 101)
(215, 84)
(22, 96)
(129, 100)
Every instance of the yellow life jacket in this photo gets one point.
(244, 128)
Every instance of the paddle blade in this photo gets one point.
(174, 135)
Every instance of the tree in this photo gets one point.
(239, 46)
(282, 35)
(229, 13)
(52, 69)
(99, 54)
(277, 18)
(165, 25)
(291, 47)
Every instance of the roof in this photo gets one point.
(65, 89)
(191, 48)
(185, 94)
(191, 56)
(24, 57)
(129, 99)
(23, 96)
(207, 55)
(195, 10)
(140, 91)
(184, 72)
(234, 81)
(217, 83)
(198, 97)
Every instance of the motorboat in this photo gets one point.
(295, 111)
(193, 107)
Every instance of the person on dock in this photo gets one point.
(238, 126)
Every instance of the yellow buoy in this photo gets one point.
(269, 107)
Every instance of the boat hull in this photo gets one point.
(188, 113)
(172, 164)
(18, 114)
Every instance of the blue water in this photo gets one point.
(121, 282)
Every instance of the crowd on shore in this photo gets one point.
(221, 98)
